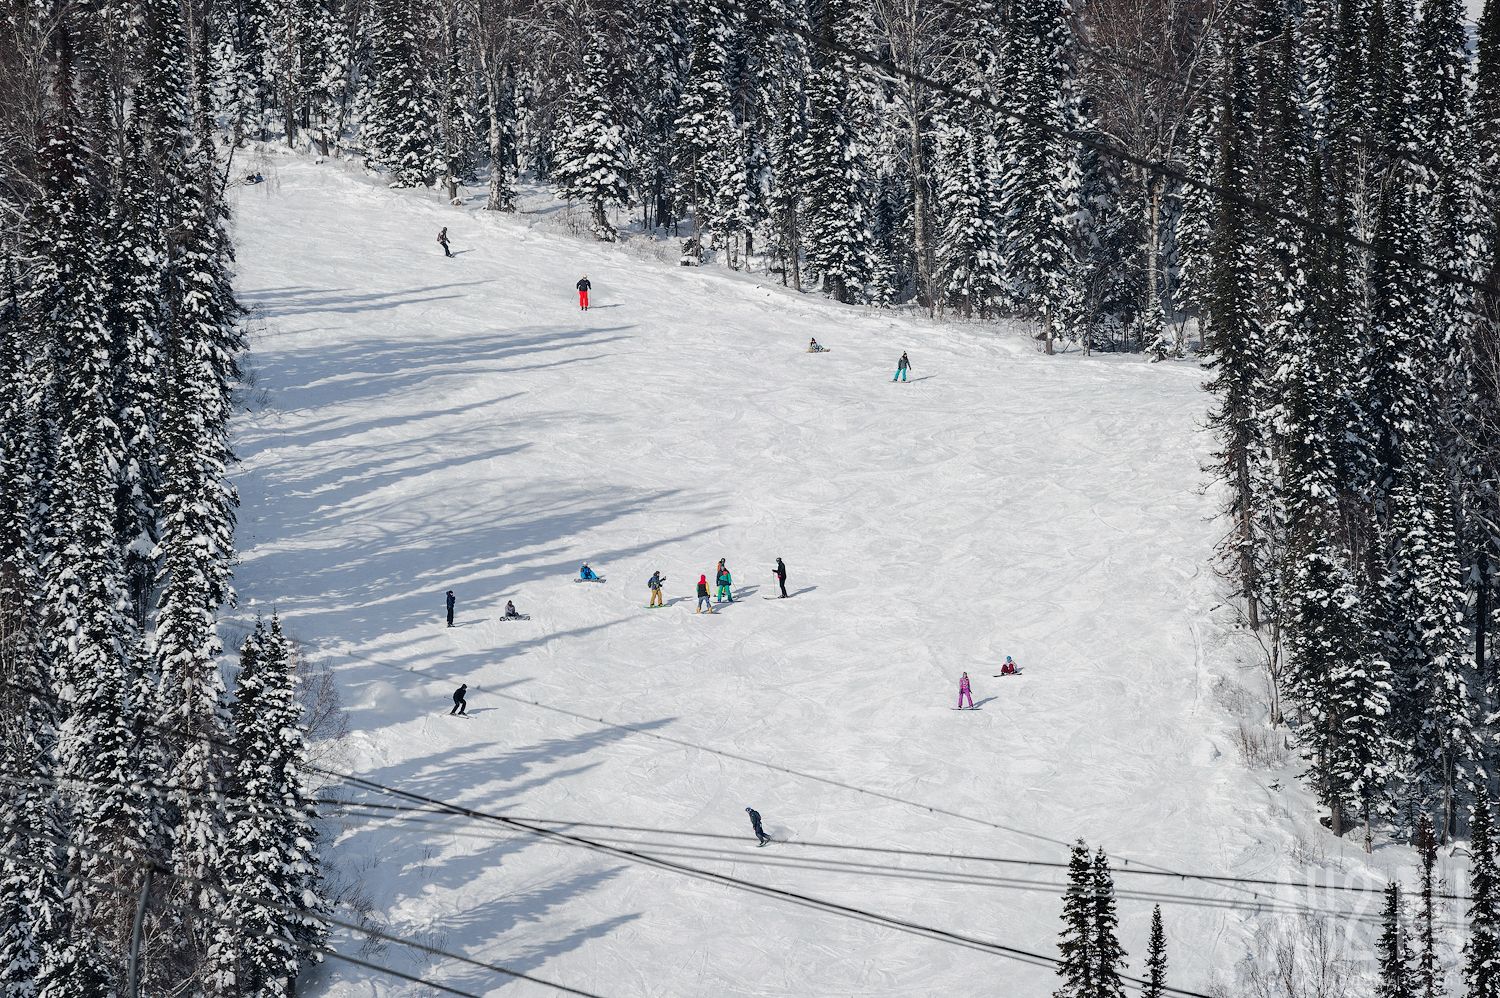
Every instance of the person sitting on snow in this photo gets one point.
(1008, 667)
(812, 346)
(510, 609)
(587, 574)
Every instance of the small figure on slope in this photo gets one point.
(902, 366)
(460, 702)
(704, 606)
(1008, 667)
(723, 580)
(586, 574)
(813, 347)
(963, 691)
(654, 584)
(443, 240)
(761, 838)
(510, 609)
(780, 573)
(451, 601)
(583, 292)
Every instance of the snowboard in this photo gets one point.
(519, 616)
(600, 579)
(963, 708)
(823, 350)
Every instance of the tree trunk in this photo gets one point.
(501, 198)
(1047, 327)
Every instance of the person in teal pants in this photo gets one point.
(902, 366)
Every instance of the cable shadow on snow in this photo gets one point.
(485, 776)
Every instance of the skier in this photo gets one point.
(583, 292)
(654, 584)
(723, 579)
(451, 600)
(703, 603)
(902, 366)
(586, 574)
(780, 573)
(460, 704)
(963, 691)
(443, 240)
(761, 838)
(1008, 667)
(510, 609)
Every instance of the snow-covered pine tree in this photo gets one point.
(134, 257)
(1039, 164)
(1482, 951)
(196, 537)
(33, 915)
(271, 874)
(1391, 952)
(1233, 337)
(593, 166)
(969, 278)
(1336, 682)
(399, 117)
(833, 170)
(1156, 958)
(704, 134)
(1108, 954)
(1427, 971)
(1077, 962)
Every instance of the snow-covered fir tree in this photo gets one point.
(593, 165)
(1391, 950)
(399, 117)
(271, 876)
(1039, 164)
(1156, 958)
(1482, 951)
(833, 172)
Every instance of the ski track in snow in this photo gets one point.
(438, 423)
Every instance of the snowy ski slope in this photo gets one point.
(437, 424)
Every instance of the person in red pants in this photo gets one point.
(583, 292)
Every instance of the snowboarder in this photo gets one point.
(723, 579)
(963, 691)
(703, 603)
(460, 703)
(443, 240)
(812, 346)
(586, 574)
(761, 838)
(654, 584)
(510, 609)
(902, 366)
(1008, 667)
(451, 600)
(780, 574)
(583, 292)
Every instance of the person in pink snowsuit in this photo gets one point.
(963, 691)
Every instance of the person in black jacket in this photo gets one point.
(583, 292)
(443, 240)
(780, 574)
(451, 600)
(460, 702)
(902, 367)
(761, 837)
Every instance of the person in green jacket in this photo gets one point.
(724, 581)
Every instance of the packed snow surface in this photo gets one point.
(431, 424)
